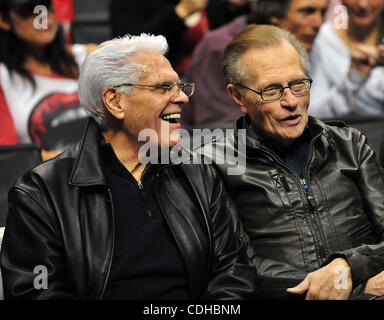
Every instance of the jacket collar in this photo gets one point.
(89, 163)
(89, 167)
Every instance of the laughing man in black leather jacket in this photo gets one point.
(99, 224)
(311, 196)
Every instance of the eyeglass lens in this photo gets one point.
(188, 89)
(297, 88)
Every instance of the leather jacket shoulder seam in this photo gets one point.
(39, 203)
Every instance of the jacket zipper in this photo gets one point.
(113, 245)
(320, 249)
(180, 247)
(142, 191)
(307, 196)
(319, 236)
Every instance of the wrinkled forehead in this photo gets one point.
(150, 61)
(151, 64)
(271, 61)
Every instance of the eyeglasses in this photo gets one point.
(273, 93)
(173, 89)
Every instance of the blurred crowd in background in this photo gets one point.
(39, 67)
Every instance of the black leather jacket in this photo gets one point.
(296, 229)
(61, 216)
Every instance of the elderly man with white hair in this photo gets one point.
(98, 223)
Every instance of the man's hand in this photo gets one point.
(375, 285)
(365, 58)
(332, 282)
(187, 7)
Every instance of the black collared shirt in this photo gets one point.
(146, 263)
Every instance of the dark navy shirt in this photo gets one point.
(294, 156)
(146, 263)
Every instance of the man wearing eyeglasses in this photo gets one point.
(311, 197)
(211, 105)
(97, 223)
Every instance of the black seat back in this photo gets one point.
(371, 126)
(15, 160)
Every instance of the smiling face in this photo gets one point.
(304, 19)
(284, 120)
(364, 12)
(150, 108)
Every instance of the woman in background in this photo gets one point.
(38, 77)
(346, 62)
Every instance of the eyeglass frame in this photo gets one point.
(168, 88)
(260, 93)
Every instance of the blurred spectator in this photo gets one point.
(221, 12)
(348, 78)
(211, 104)
(170, 18)
(38, 76)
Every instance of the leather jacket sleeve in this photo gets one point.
(368, 260)
(274, 277)
(32, 248)
(233, 276)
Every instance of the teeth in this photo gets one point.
(172, 116)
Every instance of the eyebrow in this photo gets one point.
(278, 84)
(311, 10)
(167, 83)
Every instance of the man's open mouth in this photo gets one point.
(291, 117)
(171, 118)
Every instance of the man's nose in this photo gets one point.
(318, 20)
(289, 100)
(180, 97)
(363, 3)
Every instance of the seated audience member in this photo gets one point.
(346, 63)
(38, 76)
(106, 226)
(182, 22)
(211, 103)
(311, 195)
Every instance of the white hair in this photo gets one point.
(112, 64)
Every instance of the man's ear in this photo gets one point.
(112, 98)
(4, 23)
(236, 96)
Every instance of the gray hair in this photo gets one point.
(110, 65)
(257, 36)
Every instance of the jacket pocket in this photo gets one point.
(361, 235)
